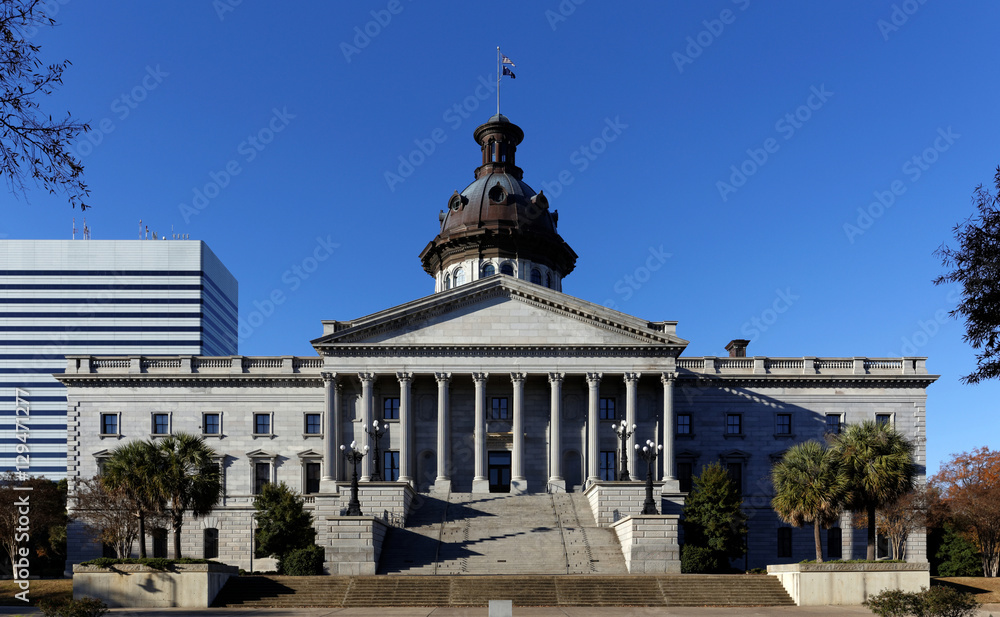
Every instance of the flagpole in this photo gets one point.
(498, 80)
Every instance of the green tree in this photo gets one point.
(877, 463)
(975, 265)
(283, 525)
(32, 144)
(189, 477)
(133, 472)
(713, 517)
(808, 488)
(957, 555)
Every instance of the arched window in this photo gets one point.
(536, 276)
(548, 280)
(459, 277)
(489, 270)
(447, 282)
(507, 268)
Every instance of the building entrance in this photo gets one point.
(499, 468)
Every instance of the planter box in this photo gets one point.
(823, 584)
(136, 586)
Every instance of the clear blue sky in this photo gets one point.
(665, 98)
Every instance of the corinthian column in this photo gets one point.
(443, 480)
(480, 483)
(367, 393)
(669, 426)
(405, 426)
(518, 483)
(556, 482)
(593, 400)
(631, 384)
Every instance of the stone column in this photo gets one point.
(518, 483)
(671, 484)
(332, 433)
(362, 438)
(593, 400)
(405, 426)
(556, 482)
(443, 480)
(480, 483)
(631, 385)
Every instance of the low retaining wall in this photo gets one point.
(380, 498)
(624, 498)
(136, 586)
(823, 584)
(649, 543)
(353, 544)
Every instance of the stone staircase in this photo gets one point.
(488, 534)
(538, 590)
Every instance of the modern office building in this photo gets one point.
(122, 297)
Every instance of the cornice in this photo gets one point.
(517, 351)
(871, 381)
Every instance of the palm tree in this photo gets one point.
(189, 476)
(808, 488)
(131, 472)
(877, 463)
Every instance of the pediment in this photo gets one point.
(261, 454)
(500, 311)
(310, 453)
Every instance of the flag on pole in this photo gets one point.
(507, 71)
(506, 60)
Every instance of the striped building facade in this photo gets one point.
(65, 297)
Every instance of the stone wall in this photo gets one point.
(136, 586)
(353, 544)
(824, 584)
(649, 544)
(612, 501)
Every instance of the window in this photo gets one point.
(734, 424)
(390, 465)
(507, 268)
(606, 409)
(685, 476)
(210, 537)
(262, 424)
(784, 541)
(390, 408)
(159, 542)
(489, 270)
(161, 424)
(459, 277)
(833, 424)
(607, 466)
(211, 424)
(735, 471)
(109, 424)
(783, 424)
(883, 418)
(499, 409)
(314, 425)
(548, 280)
(261, 476)
(834, 543)
(684, 424)
(536, 276)
(312, 478)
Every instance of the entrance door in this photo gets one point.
(499, 468)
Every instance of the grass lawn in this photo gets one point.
(987, 590)
(42, 589)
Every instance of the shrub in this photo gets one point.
(957, 556)
(700, 560)
(303, 561)
(892, 603)
(934, 602)
(84, 607)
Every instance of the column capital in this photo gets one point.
(480, 377)
(366, 377)
(667, 378)
(632, 377)
(442, 378)
(329, 376)
(556, 377)
(516, 377)
(402, 376)
(594, 379)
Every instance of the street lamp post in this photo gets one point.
(354, 457)
(649, 452)
(623, 432)
(376, 432)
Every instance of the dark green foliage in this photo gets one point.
(957, 555)
(283, 525)
(700, 560)
(713, 519)
(306, 561)
(84, 607)
(940, 601)
(156, 563)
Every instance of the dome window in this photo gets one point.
(489, 270)
(497, 194)
(457, 202)
(459, 277)
(507, 268)
(536, 276)
(447, 282)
